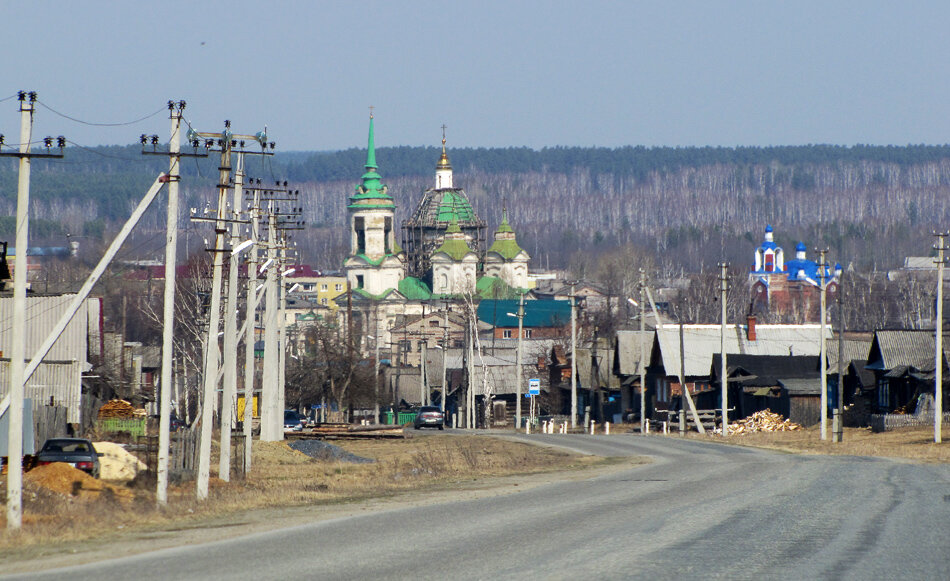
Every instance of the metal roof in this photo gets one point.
(890, 349)
(701, 341)
(628, 350)
(854, 350)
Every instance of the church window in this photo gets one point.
(388, 235)
(769, 262)
(359, 224)
(359, 281)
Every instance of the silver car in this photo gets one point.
(429, 416)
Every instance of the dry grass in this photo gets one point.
(280, 477)
(915, 443)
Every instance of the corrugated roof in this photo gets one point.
(701, 341)
(42, 314)
(628, 350)
(585, 362)
(854, 350)
(802, 386)
(891, 349)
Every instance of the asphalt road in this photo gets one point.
(699, 511)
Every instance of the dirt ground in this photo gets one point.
(66, 511)
(916, 443)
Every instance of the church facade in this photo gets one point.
(443, 254)
(789, 291)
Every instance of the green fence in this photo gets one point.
(112, 425)
(402, 418)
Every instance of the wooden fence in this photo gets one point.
(884, 422)
(183, 455)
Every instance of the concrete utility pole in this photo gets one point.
(823, 358)
(423, 389)
(643, 363)
(168, 308)
(250, 333)
(573, 360)
(376, 366)
(229, 385)
(18, 335)
(518, 378)
(445, 356)
(724, 287)
(271, 416)
(212, 351)
(837, 432)
(938, 341)
(282, 335)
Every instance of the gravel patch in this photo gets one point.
(323, 451)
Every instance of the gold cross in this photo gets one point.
(371, 111)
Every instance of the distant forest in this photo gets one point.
(685, 208)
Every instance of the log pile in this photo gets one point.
(334, 431)
(119, 409)
(763, 421)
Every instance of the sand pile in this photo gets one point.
(116, 462)
(68, 481)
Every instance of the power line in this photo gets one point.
(149, 116)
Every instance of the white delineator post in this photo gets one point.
(168, 310)
(18, 336)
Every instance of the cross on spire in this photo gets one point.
(371, 111)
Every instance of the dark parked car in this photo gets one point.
(429, 416)
(293, 421)
(76, 452)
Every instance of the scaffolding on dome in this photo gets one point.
(425, 230)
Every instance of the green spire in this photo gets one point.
(371, 147)
(372, 187)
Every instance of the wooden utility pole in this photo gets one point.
(938, 342)
(723, 288)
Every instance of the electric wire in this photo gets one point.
(139, 120)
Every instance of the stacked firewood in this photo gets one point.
(118, 409)
(763, 421)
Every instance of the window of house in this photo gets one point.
(527, 334)
(433, 323)
(339, 287)
(308, 287)
(506, 334)
(323, 286)
(324, 301)
(883, 394)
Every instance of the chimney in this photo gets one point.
(750, 328)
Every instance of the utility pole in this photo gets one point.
(423, 390)
(723, 287)
(573, 360)
(168, 308)
(250, 334)
(838, 432)
(271, 416)
(518, 378)
(822, 278)
(445, 356)
(938, 341)
(643, 363)
(376, 366)
(18, 335)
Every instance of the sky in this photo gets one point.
(496, 73)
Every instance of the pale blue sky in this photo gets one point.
(497, 73)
